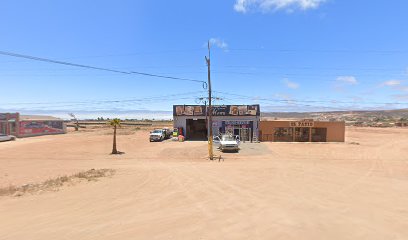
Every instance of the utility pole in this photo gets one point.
(210, 135)
(206, 118)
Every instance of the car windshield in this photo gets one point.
(2, 134)
(157, 131)
(228, 138)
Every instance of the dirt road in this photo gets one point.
(169, 190)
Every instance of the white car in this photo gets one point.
(157, 135)
(4, 137)
(227, 143)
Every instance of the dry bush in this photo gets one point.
(55, 183)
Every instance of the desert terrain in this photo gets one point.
(169, 190)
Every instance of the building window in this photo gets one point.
(283, 134)
(302, 134)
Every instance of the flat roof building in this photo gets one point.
(30, 125)
(306, 130)
(242, 120)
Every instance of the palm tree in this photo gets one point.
(115, 123)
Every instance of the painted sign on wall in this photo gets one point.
(219, 110)
(8, 116)
(304, 123)
(40, 127)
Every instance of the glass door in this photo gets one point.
(302, 134)
(244, 134)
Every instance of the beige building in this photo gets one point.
(301, 131)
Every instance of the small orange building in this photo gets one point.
(306, 130)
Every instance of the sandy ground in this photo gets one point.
(169, 190)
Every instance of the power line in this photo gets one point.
(127, 54)
(299, 105)
(319, 50)
(243, 97)
(59, 62)
(152, 98)
(168, 77)
(97, 68)
(98, 106)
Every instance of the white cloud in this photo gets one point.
(244, 6)
(282, 96)
(347, 79)
(291, 85)
(218, 43)
(240, 6)
(401, 97)
(392, 83)
(398, 85)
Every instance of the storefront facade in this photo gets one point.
(302, 131)
(30, 125)
(8, 123)
(241, 120)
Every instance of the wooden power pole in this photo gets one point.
(210, 130)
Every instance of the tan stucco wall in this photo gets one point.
(335, 130)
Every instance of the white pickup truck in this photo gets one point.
(157, 135)
(227, 143)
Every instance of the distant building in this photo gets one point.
(30, 125)
(306, 130)
(401, 124)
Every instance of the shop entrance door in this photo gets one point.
(12, 126)
(302, 134)
(3, 128)
(243, 133)
(196, 129)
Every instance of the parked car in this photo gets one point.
(227, 143)
(157, 135)
(4, 137)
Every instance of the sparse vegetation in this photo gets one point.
(56, 183)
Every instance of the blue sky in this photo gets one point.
(287, 55)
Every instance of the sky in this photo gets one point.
(286, 55)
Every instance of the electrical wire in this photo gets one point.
(98, 68)
(168, 77)
(165, 97)
(243, 97)
(392, 51)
